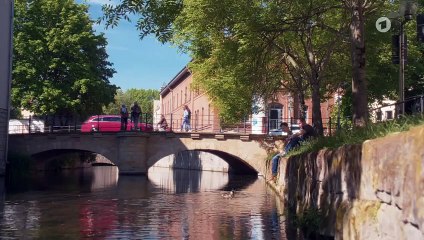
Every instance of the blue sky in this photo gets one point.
(144, 64)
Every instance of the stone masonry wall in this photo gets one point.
(369, 191)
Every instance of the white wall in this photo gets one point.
(156, 112)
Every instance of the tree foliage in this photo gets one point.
(60, 65)
(244, 50)
(144, 98)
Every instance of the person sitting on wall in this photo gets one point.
(162, 124)
(306, 132)
(276, 159)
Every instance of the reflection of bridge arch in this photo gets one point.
(183, 180)
(134, 153)
(73, 157)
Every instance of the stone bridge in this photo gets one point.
(135, 153)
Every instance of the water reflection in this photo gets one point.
(104, 177)
(185, 181)
(165, 205)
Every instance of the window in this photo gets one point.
(275, 115)
(111, 119)
(389, 115)
(202, 117)
(379, 116)
(306, 113)
(181, 97)
(185, 95)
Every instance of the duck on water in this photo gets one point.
(228, 194)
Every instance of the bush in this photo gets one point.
(359, 135)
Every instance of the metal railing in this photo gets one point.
(148, 122)
(249, 125)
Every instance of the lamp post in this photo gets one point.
(407, 10)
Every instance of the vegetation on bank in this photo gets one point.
(359, 135)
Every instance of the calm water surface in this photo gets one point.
(96, 203)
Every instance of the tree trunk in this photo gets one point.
(359, 84)
(316, 109)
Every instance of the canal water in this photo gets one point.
(97, 203)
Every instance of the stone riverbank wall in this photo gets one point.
(374, 190)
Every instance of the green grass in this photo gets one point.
(359, 135)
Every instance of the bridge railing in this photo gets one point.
(198, 123)
(249, 125)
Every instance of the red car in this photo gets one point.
(110, 123)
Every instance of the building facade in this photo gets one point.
(178, 93)
(283, 107)
(6, 17)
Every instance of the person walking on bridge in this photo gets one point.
(186, 119)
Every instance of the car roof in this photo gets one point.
(94, 116)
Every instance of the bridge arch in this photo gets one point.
(67, 158)
(206, 159)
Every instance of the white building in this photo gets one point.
(383, 111)
(156, 113)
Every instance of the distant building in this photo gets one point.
(383, 111)
(177, 93)
(283, 107)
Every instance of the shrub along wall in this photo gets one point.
(370, 191)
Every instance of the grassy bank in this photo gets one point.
(359, 135)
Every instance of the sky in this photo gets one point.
(146, 64)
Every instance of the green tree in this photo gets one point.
(144, 98)
(60, 65)
(240, 48)
(246, 50)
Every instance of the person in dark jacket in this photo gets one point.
(306, 132)
(135, 115)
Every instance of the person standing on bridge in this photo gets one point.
(135, 115)
(124, 117)
(186, 119)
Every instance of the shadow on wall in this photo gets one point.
(188, 160)
(320, 182)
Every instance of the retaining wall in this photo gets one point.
(370, 191)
